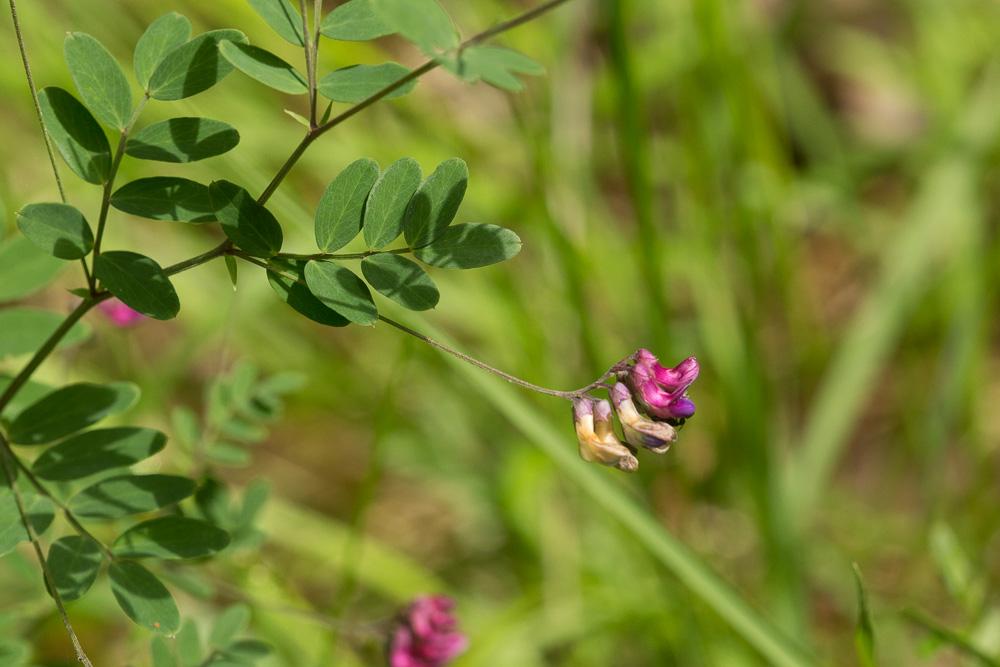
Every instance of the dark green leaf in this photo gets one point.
(340, 210)
(139, 282)
(248, 224)
(165, 198)
(359, 82)
(282, 17)
(232, 269)
(39, 510)
(119, 496)
(99, 80)
(400, 279)
(23, 330)
(230, 623)
(76, 134)
(864, 633)
(143, 598)
(264, 66)
(342, 291)
(24, 269)
(171, 537)
(161, 37)
(97, 451)
(435, 203)
(288, 281)
(74, 561)
(58, 229)
(182, 140)
(388, 201)
(70, 409)
(496, 66)
(422, 22)
(30, 392)
(193, 67)
(469, 246)
(354, 21)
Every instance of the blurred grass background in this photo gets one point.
(804, 195)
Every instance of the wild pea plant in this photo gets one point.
(406, 222)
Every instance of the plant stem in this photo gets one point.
(6, 457)
(307, 46)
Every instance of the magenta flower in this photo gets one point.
(427, 635)
(661, 390)
(596, 434)
(118, 313)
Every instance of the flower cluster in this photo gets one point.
(650, 401)
(426, 635)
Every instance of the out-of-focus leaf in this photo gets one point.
(264, 66)
(342, 291)
(99, 79)
(170, 537)
(188, 642)
(97, 451)
(58, 229)
(193, 67)
(165, 198)
(23, 330)
(386, 206)
(864, 632)
(139, 282)
(340, 210)
(182, 140)
(161, 653)
(79, 139)
(423, 22)
(470, 245)
(143, 597)
(227, 454)
(248, 224)
(24, 269)
(70, 409)
(435, 203)
(119, 496)
(400, 279)
(358, 82)
(352, 21)
(288, 281)
(161, 37)
(229, 624)
(74, 561)
(495, 65)
(39, 510)
(282, 17)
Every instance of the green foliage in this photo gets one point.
(75, 133)
(355, 20)
(282, 17)
(387, 202)
(864, 633)
(230, 623)
(339, 289)
(342, 206)
(288, 280)
(38, 510)
(143, 597)
(99, 80)
(170, 537)
(359, 82)
(400, 279)
(70, 409)
(163, 36)
(435, 203)
(97, 451)
(470, 245)
(265, 67)
(58, 229)
(165, 198)
(119, 496)
(23, 330)
(422, 22)
(139, 282)
(182, 140)
(24, 269)
(193, 67)
(74, 561)
(248, 224)
(495, 65)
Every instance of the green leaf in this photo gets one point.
(70, 409)
(99, 80)
(435, 203)
(24, 269)
(143, 598)
(74, 562)
(495, 65)
(864, 633)
(30, 392)
(400, 279)
(119, 496)
(359, 82)
(97, 451)
(77, 136)
(139, 282)
(422, 22)
(231, 622)
(340, 210)
(282, 17)
(161, 37)
(39, 510)
(469, 246)
(227, 454)
(165, 198)
(161, 654)
(23, 330)
(58, 229)
(14, 652)
(264, 66)
(183, 140)
(243, 650)
(342, 291)
(288, 281)
(170, 537)
(189, 645)
(354, 21)
(193, 67)
(247, 224)
(232, 268)
(388, 200)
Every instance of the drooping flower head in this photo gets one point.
(427, 634)
(640, 431)
(118, 313)
(662, 391)
(596, 434)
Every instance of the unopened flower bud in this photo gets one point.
(639, 431)
(595, 432)
(662, 390)
(679, 377)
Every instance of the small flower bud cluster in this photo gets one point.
(650, 403)
(426, 635)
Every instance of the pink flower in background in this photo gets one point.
(118, 313)
(427, 635)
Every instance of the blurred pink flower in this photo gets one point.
(427, 635)
(118, 313)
